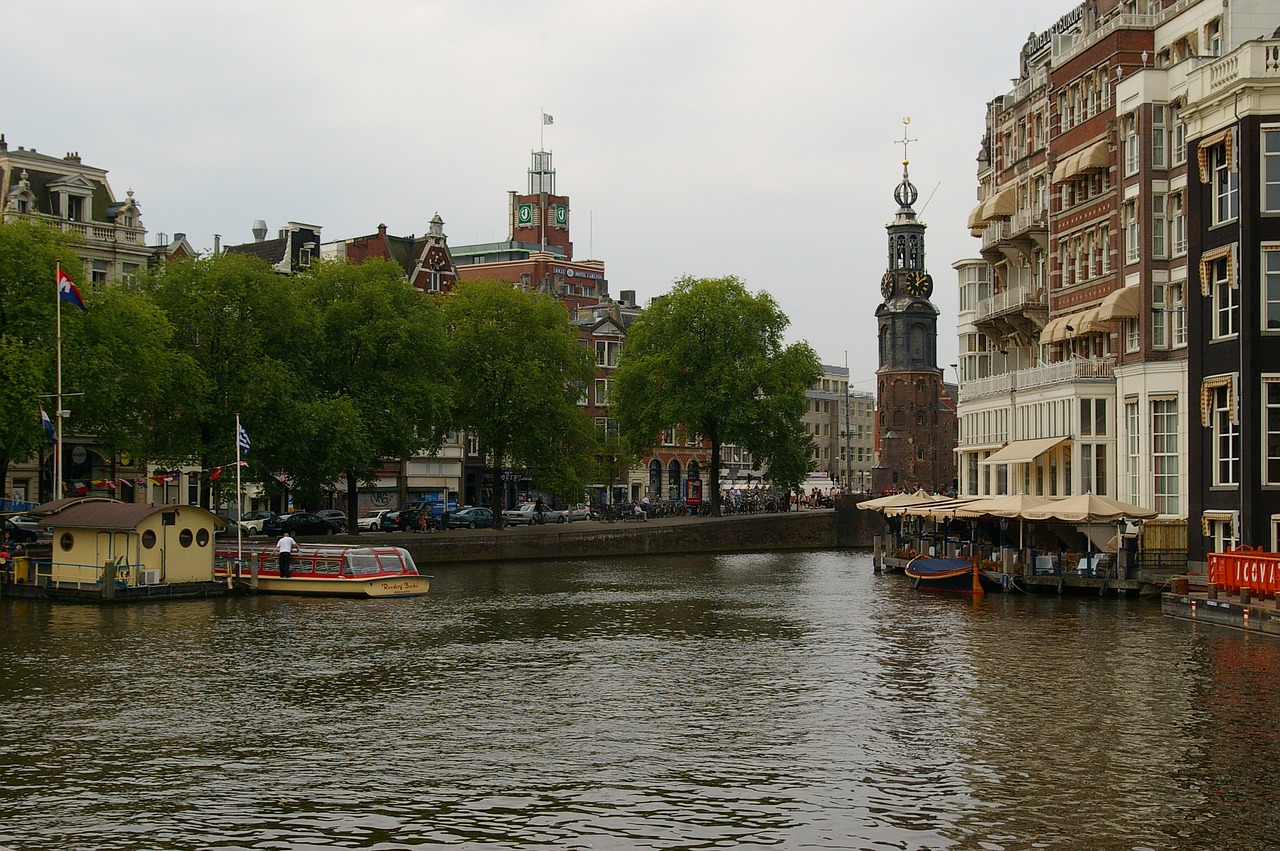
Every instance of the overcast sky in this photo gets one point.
(705, 138)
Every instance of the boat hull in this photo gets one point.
(315, 586)
(945, 575)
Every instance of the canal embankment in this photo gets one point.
(844, 526)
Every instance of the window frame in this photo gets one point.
(1165, 450)
(1269, 192)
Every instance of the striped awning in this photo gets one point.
(1095, 156)
(975, 218)
(1124, 303)
(1001, 205)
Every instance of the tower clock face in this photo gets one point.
(886, 285)
(919, 285)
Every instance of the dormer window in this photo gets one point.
(75, 208)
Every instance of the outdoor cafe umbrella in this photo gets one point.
(1004, 507)
(1089, 508)
(898, 500)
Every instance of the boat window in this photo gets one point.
(149, 538)
(185, 537)
(202, 537)
(362, 564)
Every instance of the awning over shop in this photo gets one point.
(1023, 451)
(1124, 303)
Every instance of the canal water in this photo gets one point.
(739, 701)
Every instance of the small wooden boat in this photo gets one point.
(948, 575)
(327, 571)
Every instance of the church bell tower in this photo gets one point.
(915, 423)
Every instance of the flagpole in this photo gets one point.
(57, 450)
(239, 501)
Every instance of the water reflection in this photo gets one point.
(789, 700)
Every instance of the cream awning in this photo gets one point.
(975, 218)
(1124, 303)
(1089, 323)
(1060, 170)
(1050, 330)
(1095, 156)
(1001, 205)
(1023, 451)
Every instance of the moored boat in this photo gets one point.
(948, 575)
(328, 571)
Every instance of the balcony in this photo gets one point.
(1063, 52)
(995, 233)
(1013, 300)
(1048, 375)
(1253, 61)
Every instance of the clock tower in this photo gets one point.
(916, 423)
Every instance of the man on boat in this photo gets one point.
(285, 547)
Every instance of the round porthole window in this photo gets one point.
(148, 539)
(202, 537)
(185, 537)
(67, 541)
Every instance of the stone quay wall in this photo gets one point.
(844, 527)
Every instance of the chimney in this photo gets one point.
(4, 146)
(628, 297)
(217, 244)
(259, 230)
(178, 237)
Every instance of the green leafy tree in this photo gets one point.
(519, 372)
(239, 323)
(709, 356)
(28, 260)
(374, 373)
(131, 374)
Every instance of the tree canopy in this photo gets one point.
(709, 356)
(28, 258)
(520, 372)
(373, 373)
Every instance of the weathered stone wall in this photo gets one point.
(845, 527)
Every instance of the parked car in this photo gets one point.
(335, 516)
(404, 520)
(20, 533)
(30, 522)
(580, 511)
(252, 522)
(372, 521)
(300, 523)
(471, 517)
(528, 515)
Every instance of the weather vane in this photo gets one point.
(904, 141)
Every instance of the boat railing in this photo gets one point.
(318, 560)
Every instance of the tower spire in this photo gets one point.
(905, 193)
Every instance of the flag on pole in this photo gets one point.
(547, 119)
(242, 439)
(48, 425)
(67, 291)
(215, 474)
